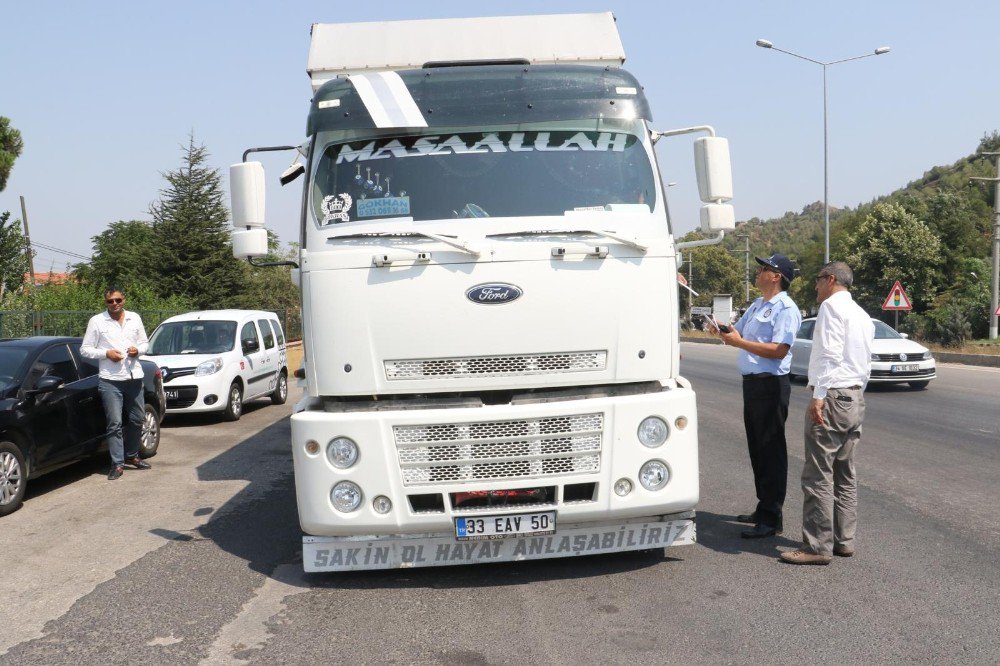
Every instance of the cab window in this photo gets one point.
(249, 335)
(265, 330)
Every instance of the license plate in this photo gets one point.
(905, 368)
(510, 525)
(173, 395)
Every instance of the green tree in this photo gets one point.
(123, 254)
(714, 270)
(13, 260)
(269, 288)
(889, 245)
(11, 146)
(191, 228)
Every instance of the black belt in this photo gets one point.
(758, 375)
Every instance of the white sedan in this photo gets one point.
(895, 359)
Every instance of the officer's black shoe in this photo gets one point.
(760, 530)
(116, 472)
(749, 518)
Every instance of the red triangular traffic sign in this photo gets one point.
(897, 299)
(997, 313)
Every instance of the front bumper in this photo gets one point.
(406, 551)
(882, 371)
(192, 393)
(383, 468)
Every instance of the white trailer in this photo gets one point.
(489, 297)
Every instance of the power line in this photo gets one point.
(60, 251)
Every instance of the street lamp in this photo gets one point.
(765, 44)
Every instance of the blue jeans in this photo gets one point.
(120, 399)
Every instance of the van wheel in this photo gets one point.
(280, 394)
(13, 478)
(150, 440)
(919, 385)
(234, 406)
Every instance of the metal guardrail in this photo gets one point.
(23, 323)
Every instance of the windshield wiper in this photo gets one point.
(606, 234)
(457, 242)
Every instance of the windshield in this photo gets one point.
(884, 332)
(193, 337)
(512, 171)
(11, 359)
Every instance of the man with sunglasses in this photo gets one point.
(764, 335)
(115, 338)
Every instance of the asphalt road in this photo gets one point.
(197, 560)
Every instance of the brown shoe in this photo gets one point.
(804, 557)
(137, 463)
(843, 551)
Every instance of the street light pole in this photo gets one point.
(765, 44)
(995, 287)
(746, 275)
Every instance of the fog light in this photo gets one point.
(342, 452)
(211, 399)
(681, 422)
(346, 496)
(382, 504)
(653, 431)
(623, 487)
(654, 475)
(312, 447)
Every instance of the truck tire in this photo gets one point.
(234, 403)
(280, 394)
(13, 478)
(150, 440)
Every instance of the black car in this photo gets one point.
(51, 413)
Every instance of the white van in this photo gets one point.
(216, 360)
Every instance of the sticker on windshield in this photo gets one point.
(336, 208)
(384, 207)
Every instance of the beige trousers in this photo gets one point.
(829, 481)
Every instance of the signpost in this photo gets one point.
(897, 300)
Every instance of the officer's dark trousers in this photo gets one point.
(765, 408)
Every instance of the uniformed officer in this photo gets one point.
(764, 336)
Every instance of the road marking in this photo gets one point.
(248, 630)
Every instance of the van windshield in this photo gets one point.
(193, 337)
(538, 169)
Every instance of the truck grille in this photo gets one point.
(498, 450)
(496, 366)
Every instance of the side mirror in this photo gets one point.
(46, 384)
(904, 335)
(246, 191)
(250, 346)
(715, 183)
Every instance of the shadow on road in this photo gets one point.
(722, 534)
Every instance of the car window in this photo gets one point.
(56, 361)
(249, 334)
(277, 331)
(265, 330)
(806, 330)
(885, 332)
(192, 337)
(88, 367)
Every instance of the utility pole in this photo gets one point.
(27, 244)
(746, 274)
(995, 299)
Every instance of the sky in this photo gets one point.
(107, 93)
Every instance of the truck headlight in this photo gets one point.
(654, 475)
(346, 496)
(653, 431)
(342, 452)
(209, 367)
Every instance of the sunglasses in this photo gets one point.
(109, 301)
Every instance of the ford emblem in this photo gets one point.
(494, 293)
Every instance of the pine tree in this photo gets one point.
(191, 227)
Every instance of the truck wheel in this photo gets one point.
(916, 386)
(280, 394)
(234, 407)
(150, 440)
(13, 478)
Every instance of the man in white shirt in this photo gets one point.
(839, 367)
(115, 338)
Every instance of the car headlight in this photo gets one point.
(342, 452)
(654, 475)
(653, 431)
(209, 367)
(346, 496)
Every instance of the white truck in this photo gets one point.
(489, 297)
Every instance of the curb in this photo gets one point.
(985, 360)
